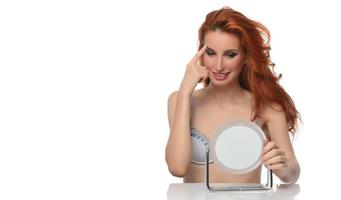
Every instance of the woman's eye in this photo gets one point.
(231, 55)
(209, 53)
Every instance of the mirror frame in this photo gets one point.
(251, 125)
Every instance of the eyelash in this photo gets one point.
(231, 55)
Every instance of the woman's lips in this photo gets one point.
(220, 76)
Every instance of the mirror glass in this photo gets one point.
(237, 147)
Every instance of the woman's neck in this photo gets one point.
(223, 95)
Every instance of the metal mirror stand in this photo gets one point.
(237, 187)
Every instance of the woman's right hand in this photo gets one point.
(195, 73)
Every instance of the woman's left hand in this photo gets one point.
(274, 157)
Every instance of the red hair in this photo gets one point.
(257, 75)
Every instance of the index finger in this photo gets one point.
(199, 53)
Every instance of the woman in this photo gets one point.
(233, 62)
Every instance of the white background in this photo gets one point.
(84, 88)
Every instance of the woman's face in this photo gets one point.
(223, 57)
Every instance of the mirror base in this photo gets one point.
(236, 187)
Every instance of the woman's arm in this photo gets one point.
(178, 149)
(278, 154)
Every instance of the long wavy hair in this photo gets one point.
(257, 75)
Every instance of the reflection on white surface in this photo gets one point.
(198, 191)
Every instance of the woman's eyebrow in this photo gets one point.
(228, 50)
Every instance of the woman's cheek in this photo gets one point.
(233, 64)
(208, 62)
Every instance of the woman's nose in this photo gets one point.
(219, 64)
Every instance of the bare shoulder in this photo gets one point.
(273, 109)
(171, 107)
(273, 113)
(172, 97)
(172, 100)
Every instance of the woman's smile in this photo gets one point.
(220, 76)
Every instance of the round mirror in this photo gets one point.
(238, 146)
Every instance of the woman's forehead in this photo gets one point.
(221, 41)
